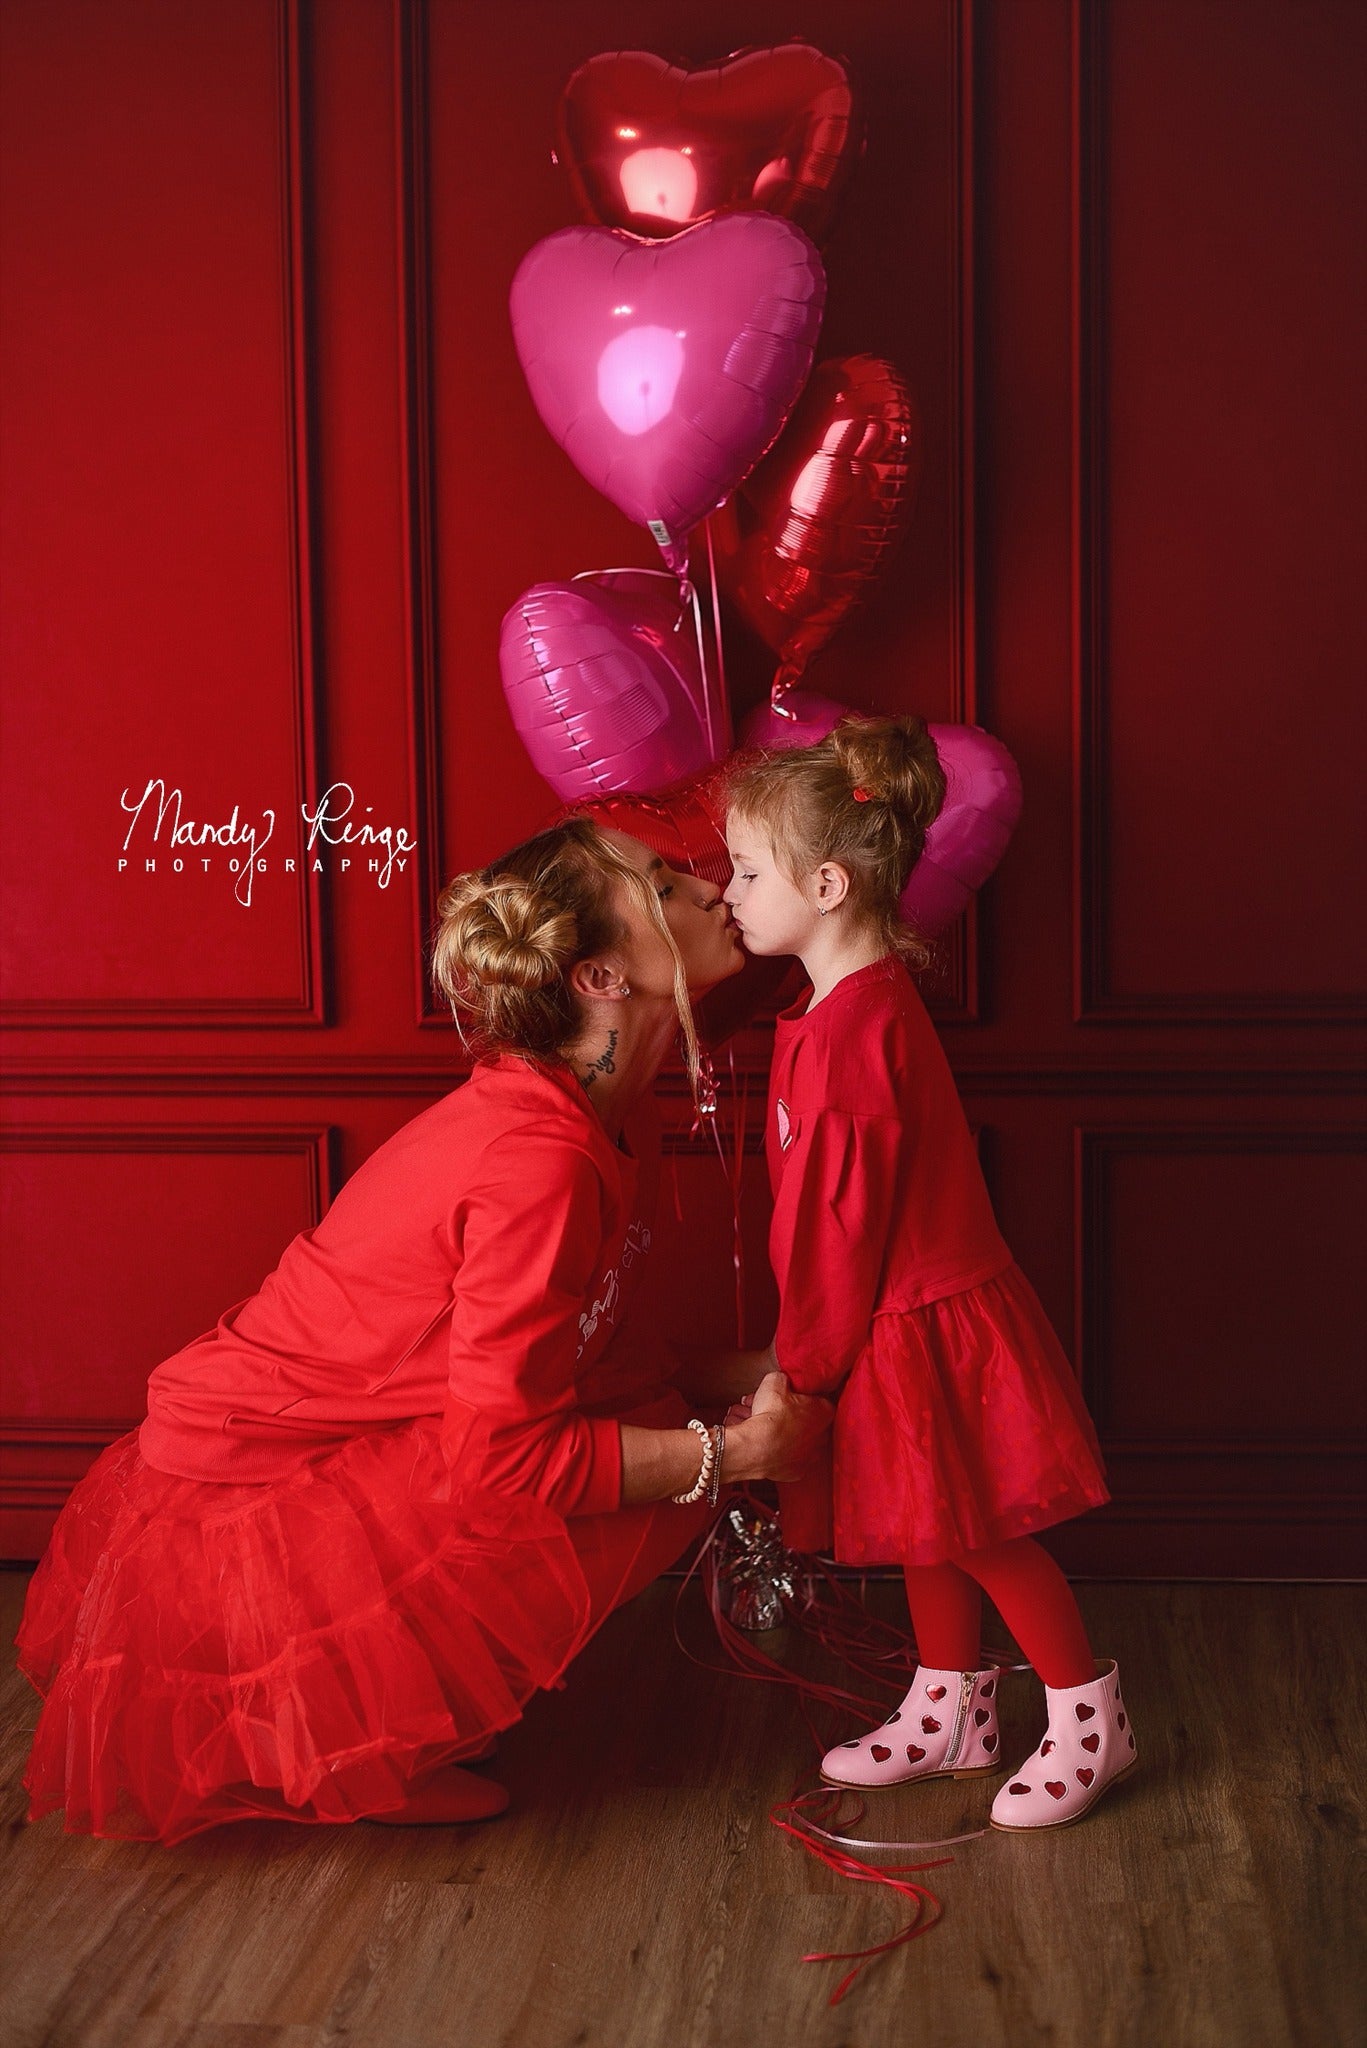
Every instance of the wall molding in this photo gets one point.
(317, 1144)
(1094, 1000)
(309, 1009)
(1094, 1149)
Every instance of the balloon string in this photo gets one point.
(717, 635)
(689, 599)
(784, 679)
(627, 569)
(696, 603)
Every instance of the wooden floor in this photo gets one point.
(637, 1895)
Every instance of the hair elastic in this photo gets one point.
(861, 796)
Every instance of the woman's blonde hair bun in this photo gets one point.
(507, 937)
(509, 933)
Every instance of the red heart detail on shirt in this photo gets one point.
(1054, 1789)
(980, 1716)
(1084, 1713)
(1085, 1777)
(1092, 1742)
(936, 1692)
(879, 1754)
(914, 1754)
(930, 1724)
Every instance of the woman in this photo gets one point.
(394, 1492)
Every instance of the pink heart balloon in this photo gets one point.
(666, 369)
(602, 681)
(981, 807)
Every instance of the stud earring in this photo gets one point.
(625, 990)
(821, 910)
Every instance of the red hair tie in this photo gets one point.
(861, 796)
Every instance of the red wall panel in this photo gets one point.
(1226, 531)
(155, 617)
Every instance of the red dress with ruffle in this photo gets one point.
(959, 1422)
(375, 1508)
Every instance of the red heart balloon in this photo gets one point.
(807, 534)
(653, 146)
(681, 824)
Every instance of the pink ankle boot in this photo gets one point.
(946, 1727)
(1089, 1743)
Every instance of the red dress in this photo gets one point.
(376, 1507)
(959, 1422)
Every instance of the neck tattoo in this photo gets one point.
(605, 1063)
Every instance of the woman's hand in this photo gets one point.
(773, 1435)
(780, 1436)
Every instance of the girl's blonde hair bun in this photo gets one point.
(894, 760)
(865, 797)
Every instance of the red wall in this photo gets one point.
(271, 477)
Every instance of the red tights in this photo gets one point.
(1029, 1592)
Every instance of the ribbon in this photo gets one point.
(872, 1649)
(717, 637)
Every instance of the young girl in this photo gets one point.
(959, 1426)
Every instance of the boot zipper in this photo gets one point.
(966, 1683)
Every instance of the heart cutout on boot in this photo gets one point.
(1084, 1713)
(936, 1692)
(1045, 1748)
(989, 1688)
(929, 1725)
(1130, 1740)
(1054, 1789)
(1120, 1720)
(989, 1743)
(1092, 1742)
(879, 1754)
(1085, 1777)
(981, 1716)
(894, 1717)
(1018, 1788)
(914, 1753)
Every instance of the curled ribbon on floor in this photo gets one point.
(748, 1575)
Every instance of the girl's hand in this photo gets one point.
(781, 1436)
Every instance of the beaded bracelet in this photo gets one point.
(709, 1454)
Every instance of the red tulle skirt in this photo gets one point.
(303, 1649)
(961, 1425)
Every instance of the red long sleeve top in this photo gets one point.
(477, 1264)
(879, 1200)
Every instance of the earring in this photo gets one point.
(821, 910)
(625, 990)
